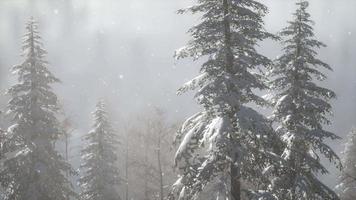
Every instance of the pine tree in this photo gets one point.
(228, 140)
(347, 185)
(101, 175)
(301, 108)
(34, 170)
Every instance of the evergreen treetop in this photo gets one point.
(101, 175)
(33, 169)
(302, 108)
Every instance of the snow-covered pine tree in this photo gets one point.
(101, 174)
(347, 185)
(33, 169)
(227, 141)
(301, 108)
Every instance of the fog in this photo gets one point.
(122, 51)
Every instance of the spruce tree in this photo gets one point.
(228, 141)
(301, 108)
(33, 169)
(101, 175)
(347, 185)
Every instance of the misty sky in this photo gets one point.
(123, 51)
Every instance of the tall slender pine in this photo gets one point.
(33, 169)
(227, 141)
(347, 185)
(301, 110)
(101, 175)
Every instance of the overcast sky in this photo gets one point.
(122, 51)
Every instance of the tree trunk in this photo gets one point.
(127, 166)
(235, 182)
(227, 35)
(160, 166)
(235, 170)
(146, 170)
(67, 146)
(2, 138)
(67, 156)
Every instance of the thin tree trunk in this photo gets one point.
(2, 138)
(227, 35)
(127, 166)
(235, 170)
(160, 166)
(146, 169)
(67, 146)
(67, 156)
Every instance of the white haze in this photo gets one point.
(123, 51)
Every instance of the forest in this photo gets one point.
(177, 100)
